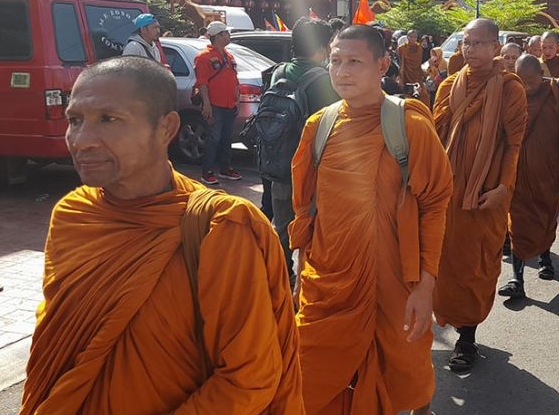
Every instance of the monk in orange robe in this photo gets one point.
(535, 205)
(411, 57)
(370, 254)
(456, 60)
(117, 331)
(534, 46)
(480, 114)
(549, 59)
(510, 52)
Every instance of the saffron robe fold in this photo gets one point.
(411, 57)
(535, 205)
(115, 334)
(472, 248)
(354, 290)
(455, 62)
(550, 67)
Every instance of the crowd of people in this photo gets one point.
(165, 297)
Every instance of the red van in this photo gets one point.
(44, 45)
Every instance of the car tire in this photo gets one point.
(188, 146)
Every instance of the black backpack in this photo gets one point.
(279, 122)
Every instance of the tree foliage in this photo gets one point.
(168, 20)
(515, 15)
(422, 15)
(429, 18)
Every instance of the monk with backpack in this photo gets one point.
(297, 90)
(371, 184)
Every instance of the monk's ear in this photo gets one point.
(169, 126)
(384, 63)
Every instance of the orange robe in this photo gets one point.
(455, 62)
(535, 205)
(410, 68)
(550, 67)
(115, 334)
(472, 249)
(355, 282)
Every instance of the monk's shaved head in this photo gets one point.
(488, 25)
(534, 40)
(511, 46)
(529, 69)
(550, 35)
(528, 63)
(371, 35)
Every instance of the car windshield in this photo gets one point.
(449, 46)
(248, 60)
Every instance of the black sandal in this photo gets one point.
(512, 289)
(546, 272)
(463, 357)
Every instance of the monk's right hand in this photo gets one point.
(419, 307)
(493, 198)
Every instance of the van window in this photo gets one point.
(176, 62)
(110, 28)
(15, 33)
(69, 42)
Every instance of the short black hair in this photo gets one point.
(154, 84)
(337, 24)
(202, 31)
(371, 35)
(309, 36)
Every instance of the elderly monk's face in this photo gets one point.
(479, 48)
(510, 56)
(110, 136)
(412, 38)
(532, 80)
(354, 70)
(549, 48)
(535, 49)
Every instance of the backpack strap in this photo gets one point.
(325, 127)
(310, 76)
(195, 225)
(393, 125)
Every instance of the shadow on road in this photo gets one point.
(521, 304)
(495, 387)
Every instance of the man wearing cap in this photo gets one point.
(216, 79)
(142, 41)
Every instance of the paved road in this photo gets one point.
(517, 375)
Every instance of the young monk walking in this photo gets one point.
(139, 316)
(549, 59)
(370, 251)
(535, 205)
(411, 57)
(480, 114)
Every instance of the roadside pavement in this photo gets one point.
(518, 373)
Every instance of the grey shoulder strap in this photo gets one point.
(393, 125)
(310, 76)
(325, 127)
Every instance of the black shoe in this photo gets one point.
(546, 272)
(463, 357)
(512, 289)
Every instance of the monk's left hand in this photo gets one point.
(493, 198)
(419, 307)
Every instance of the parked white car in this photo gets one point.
(180, 54)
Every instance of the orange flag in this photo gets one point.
(269, 26)
(312, 14)
(364, 14)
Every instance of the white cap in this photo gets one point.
(215, 28)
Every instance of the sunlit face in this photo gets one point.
(549, 48)
(412, 38)
(535, 48)
(110, 136)
(532, 80)
(355, 72)
(478, 47)
(151, 32)
(510, 56)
